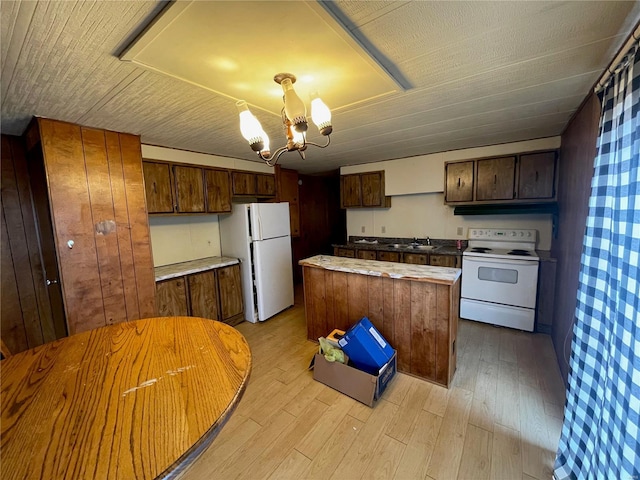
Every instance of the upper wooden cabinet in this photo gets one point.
(253, 184)
(459, 182)
(287, 190)
(495, 178)
(537, 175)
(157, 186)
(195, 189)
(189, 184)
(363, 190)
(218, 190)
(522, 178)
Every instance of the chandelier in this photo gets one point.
(294, 120)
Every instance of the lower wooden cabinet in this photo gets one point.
(215, 294)
(444, 260)
(416, 258)
(368, 254)
(344, 252)
(171, 298)
(390, 256)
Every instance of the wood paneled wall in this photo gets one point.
(322, 221)
(577, 155)
(26, 320)
(97, 200)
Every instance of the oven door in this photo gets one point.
(505, 281)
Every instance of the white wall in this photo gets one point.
(425, 215)
(182, 238)
(417, 204)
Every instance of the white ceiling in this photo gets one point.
(478, 73)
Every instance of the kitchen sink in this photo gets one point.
(425, 247)
(397, 245)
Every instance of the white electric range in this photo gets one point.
(500, 277)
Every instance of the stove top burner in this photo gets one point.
(481, 249)
(516, 251)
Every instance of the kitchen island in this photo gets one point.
(415, 307)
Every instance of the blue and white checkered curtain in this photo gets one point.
(602, 415)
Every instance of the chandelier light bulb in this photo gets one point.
(320, 114)
(251, 129)
(294, 107)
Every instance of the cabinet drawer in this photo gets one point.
(416, 258)
(443, 260)
(344, 252)
(389, 256)
(367, 254)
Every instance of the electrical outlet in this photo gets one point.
(362, 229)
(383, 229)
(459, 231)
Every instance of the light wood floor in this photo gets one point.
(501, 419)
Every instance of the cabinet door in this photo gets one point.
(203, 295)
(537, 175)
(367, 254)
(459, 182)
(218, 190)
(171, 298)
(443, 260)
(288, 192)
(243, 183)
(495, 178)
(157, 187)
(231, 304)
(189, 189)
(389, 256)
(372, 189)
(265, 185)
(344, 252)
(416, 258)
(350, 193)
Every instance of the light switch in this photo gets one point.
(362, 229)
(459, 231)
(383, 229)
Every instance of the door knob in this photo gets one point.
(51, 282)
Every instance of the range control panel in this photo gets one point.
(497, 234)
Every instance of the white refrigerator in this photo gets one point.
(259, 235)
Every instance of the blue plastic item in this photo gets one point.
(366, 347)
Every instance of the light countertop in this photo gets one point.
(166, 272)
(377, 268)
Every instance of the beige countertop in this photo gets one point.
(377, 268)
(166, 272)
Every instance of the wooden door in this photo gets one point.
(189, 189)
(47, 245)
(218, 190)
(265, 185)
(230, 288)
(443, 260)
(416, 258)
(367, 254)
(495, 179)
(171, 298)
(458, 182)
(537, 175)
(372, 189)
(203, 295)
(243, 183)
(350, 191)
(157, 187)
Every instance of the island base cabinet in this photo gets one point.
(418, 318)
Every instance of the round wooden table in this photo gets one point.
(139, 399)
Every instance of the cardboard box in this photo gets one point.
(362, 386)
(366, 347)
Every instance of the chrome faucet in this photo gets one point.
(428, 241)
